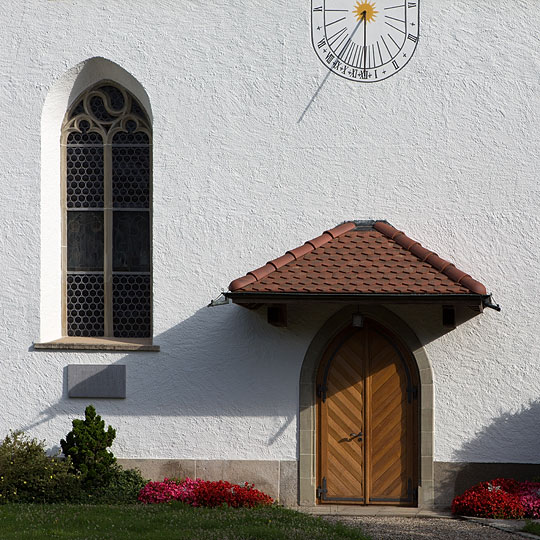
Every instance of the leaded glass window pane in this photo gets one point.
(131, 241)
(131, 170)
(131, 305)
(84, 241)
(84, 170)
(85, 305)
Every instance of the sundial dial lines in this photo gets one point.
(365, 40)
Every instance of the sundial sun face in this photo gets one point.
(366, 10)
(365, 40)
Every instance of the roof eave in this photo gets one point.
(240, 297)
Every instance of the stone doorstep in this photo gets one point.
(372, 511)
(512, 526)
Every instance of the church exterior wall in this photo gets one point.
(256, 151)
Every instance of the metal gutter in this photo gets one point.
(270, 297)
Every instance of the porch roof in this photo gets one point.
(354, 260)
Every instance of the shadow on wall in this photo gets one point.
(225, 362)
(245, 366)
(204, 368)
(511, 434)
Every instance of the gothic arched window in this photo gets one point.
(107, 156)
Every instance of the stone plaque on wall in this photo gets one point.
(96, 381)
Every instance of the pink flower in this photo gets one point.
(203, 493)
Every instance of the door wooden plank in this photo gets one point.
(352, 400)
(344, 409)
(388, 446)
(345, 455)
(367, 417)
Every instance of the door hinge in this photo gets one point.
(322, 491)
(321, 392)
(412, 493)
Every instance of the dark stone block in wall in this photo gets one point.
(96, 381)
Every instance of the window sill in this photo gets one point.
(98, 344)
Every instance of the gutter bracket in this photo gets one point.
(221, 300)
(487, 301)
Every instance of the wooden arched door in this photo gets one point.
(367, 405)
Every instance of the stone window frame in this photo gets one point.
(107, 130)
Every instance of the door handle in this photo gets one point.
(356, 435)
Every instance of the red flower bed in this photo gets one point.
(159, 492)
(501, 498)
(529, 495)
(203, 493)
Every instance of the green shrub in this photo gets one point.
(123, 487)
(88, 474)
(27, 474)
(86, 444)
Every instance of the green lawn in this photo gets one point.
(532, 528)
(164, 521)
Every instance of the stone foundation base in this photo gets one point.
(278, 479)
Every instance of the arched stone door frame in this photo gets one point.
(307, 486)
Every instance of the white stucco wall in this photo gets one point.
(256, 151)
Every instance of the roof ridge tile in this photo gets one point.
(320, 240)
(261, 272)
(300, 251)
(283, 260)
(242, 282)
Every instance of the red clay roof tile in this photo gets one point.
(359, 258)
(301, 250)
(282, 261)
